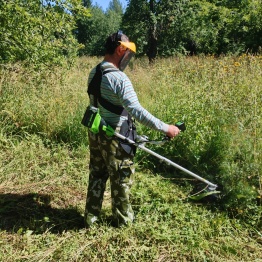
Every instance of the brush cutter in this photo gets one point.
(140, 143)
(142, 140)
(95, 124)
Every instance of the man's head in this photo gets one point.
(118, 45)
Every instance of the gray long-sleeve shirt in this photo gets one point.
(117, 88)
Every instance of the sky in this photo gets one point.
(104, 3)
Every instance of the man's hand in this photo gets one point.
(172, 131)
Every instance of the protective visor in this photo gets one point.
(131, 49)
(125, 59)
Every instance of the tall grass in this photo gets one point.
(220, 101)
(44, 164)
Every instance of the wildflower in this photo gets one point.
(237, 64)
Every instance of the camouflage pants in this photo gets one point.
(109, 160)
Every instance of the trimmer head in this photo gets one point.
(209, 193)
(203, 195)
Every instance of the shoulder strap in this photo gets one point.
(94, 88)
(95, 82)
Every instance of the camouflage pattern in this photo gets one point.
(109, 160)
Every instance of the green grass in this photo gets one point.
(44, 165)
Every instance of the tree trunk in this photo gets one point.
(152, 41)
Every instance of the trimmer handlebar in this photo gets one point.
(181, 125)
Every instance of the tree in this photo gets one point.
(168, 27)
(152, 32)
(135, 24)
(92, 31)
(37, 33)
(114, 14)
(116, 6)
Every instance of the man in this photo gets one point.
(117, 101)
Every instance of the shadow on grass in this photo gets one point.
(22, 212)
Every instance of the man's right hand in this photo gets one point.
(172, 131)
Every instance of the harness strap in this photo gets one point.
(94, 88)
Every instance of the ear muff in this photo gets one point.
(117, 38)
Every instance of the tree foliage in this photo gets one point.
(47, 32)
(135, 23)
(186, 26)
(32, 31)
(92, 31)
